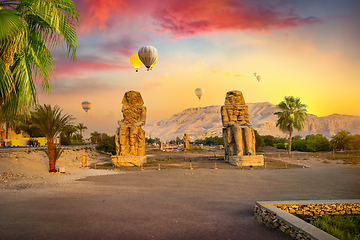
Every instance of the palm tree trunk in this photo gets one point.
(80, 135)
(51, 152)
(290, 133)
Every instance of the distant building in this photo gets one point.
(13, 139)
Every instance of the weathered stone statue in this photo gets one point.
(130, 137)
(186, 141)
(161, 144)
(238, 134)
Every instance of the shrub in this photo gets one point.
(280, 146)
(107, 144)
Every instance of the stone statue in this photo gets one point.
(130, 137)
(186, 141)
(161, 144)
(238, 134)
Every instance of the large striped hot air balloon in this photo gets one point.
(135, 61)
(86, 105)
(148, 55)
(199, 92)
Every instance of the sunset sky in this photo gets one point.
(305, 48)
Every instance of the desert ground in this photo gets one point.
(175, 202)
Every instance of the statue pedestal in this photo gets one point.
(247, 160)
(128, 161)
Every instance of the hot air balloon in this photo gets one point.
(148, 55)
(135, 61)
(199, 92)
(86, 105)
(152, 65)
(258, 77)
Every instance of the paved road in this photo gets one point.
(168, 204)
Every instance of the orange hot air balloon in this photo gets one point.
(135, 61)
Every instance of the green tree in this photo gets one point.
(51, 123)
(341, 141)
(298, 144)
(69, 130)
(356, 142)
(81, 127)
(107, 144)
(316, 143)
(269, 140)
(95, 137)
(259, 140)
(28, 29)
(291, 116)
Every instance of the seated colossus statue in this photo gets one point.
(238, 134)
(130, 137)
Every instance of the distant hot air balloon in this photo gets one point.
(148, 55)
(152, 65)
(86, 105)
(135, 61)
(258, 77)
(199, 92)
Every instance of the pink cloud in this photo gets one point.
(189, 18)
(80, 66)
(185, 18)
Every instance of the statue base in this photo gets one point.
(128, 161)
(247, 160)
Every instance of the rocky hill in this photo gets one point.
(206, 121)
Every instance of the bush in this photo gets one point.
(107, 144)
(269, 140)
(259, 140)
(280, 146)
(298, 144)
(316, 143)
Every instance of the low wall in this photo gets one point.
(280, 215)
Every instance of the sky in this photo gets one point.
(302, 48)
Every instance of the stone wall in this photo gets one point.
(271, 220)
(281, 215)
(319, 209)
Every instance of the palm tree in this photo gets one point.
(50, 122)
(81, 127)
(27, 29)
(69, 130)
(292, 116)
(95, 137)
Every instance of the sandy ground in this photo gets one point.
(175, 203)
(29, 168)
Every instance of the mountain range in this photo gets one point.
(204, 122)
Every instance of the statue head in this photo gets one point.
(234, 97)
(132, 98)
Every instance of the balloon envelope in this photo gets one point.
(152, 65)
(148, 55)
(135, 61)
(199, 92)
(86, 105)
(258, 77)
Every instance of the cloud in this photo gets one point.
(189, 18)
(68, 68)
